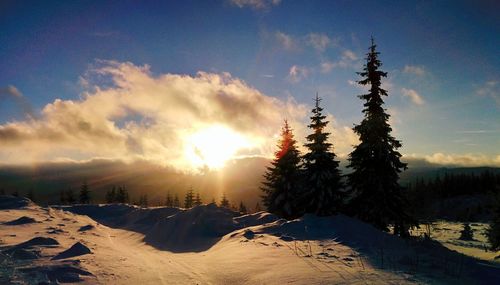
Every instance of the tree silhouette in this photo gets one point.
(70, 196)
(169, 202)
(84, 193)
(177, 203)
(31, 195)
(111, 195)
(62, 197)
(282, 179)
(243, 208)
(189, 199)
(257, 207)
(197, 200)
(466, 233)
(322, 194)
(224, 202)
(143, 200)
(375, 162)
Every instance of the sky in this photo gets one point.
(158, 80)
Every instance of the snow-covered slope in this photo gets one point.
(122, 244)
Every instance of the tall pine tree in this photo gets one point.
(377, 196)
(282, 178)
(189, 198)
(322, 193)
(84, 193)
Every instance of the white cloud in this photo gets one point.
(412, 69)
(349, 55)
(286, 41)
(413, 95)
(463, 159)
(146, 116)
(255, 4)
(327, 66)
(297, 73)
(490, 89)
(320, 42)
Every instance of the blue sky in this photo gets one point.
(442, 57)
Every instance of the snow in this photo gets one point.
(123, 244)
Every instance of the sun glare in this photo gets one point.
(213, 146)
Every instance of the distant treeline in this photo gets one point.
(462, 196)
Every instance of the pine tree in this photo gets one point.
(177, 203)
(84, 193)
(70, 197)
(224, 202)
(143, 200)
(111, 195)
(122, 195)
(169, 202)
(62, 197)
(2, 191)
(466, 233)
(377, 196)
(189, 199)
(322, 193)
(242, 208)
(257, 207)
(282, 179)
(197, 200)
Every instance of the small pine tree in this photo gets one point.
(257, 207)
(322, 195)
(377, 195)
(62, 197)
(242, 208)
(493, 231)
(70, 196)
(466, 233)
(2, 191)
(143, 201)
(177, 203)
(282, 179)
(189, 199)
(224, 202)
(197, 200)
(84, 193)
(122, 195)
(111, 195)
(169, 202)
(15, 193)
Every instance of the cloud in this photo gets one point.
(413, 95)
(349, 55)
(297, 73)
(412, 69)
(287, 42)
(11, 92)
(490, 89)
(146, 116)
(255, 4)
(320, 42)
(327, 66)
(463, 159)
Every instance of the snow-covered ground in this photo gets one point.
(122, 244)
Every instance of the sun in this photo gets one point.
(213, 146)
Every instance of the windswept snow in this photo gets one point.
(122, 244)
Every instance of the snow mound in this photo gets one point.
(20, 221)
(75, 250)
(59, 273)
(12, 202)
(38, 241)
(196, 229)
(254, 219)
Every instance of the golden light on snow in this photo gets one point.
(213, 146)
